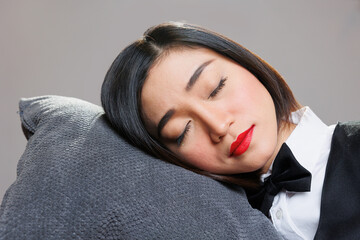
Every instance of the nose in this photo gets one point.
(216, 121)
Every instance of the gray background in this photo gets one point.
(65, 47)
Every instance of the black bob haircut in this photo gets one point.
(121, 89)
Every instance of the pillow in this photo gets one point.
(78, 179)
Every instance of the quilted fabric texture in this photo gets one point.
(78, 179)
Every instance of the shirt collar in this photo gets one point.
(308, 138)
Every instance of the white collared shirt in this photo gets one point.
(296, 215)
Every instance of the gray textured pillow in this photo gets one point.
(78, 179)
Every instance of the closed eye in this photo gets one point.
(218, 87)
(181, 138)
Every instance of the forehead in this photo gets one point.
(177, 65)
(167, 80)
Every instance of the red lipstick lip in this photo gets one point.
(242, 142)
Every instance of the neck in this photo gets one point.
(284, 132)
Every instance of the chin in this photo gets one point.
(263, 157)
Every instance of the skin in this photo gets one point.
(213, 121)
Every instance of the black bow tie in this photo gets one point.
(287, 173)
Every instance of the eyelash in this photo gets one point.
(218, 88)
(180, 139)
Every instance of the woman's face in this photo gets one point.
(211, 112)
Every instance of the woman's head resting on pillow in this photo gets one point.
(198, 99)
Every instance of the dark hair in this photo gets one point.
(121, 89)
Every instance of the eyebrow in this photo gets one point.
(189, 85)
(197, 74)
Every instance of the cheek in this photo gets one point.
(253, 99)
(239, 96)
(201, 155)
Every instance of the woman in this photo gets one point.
(197, 99)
